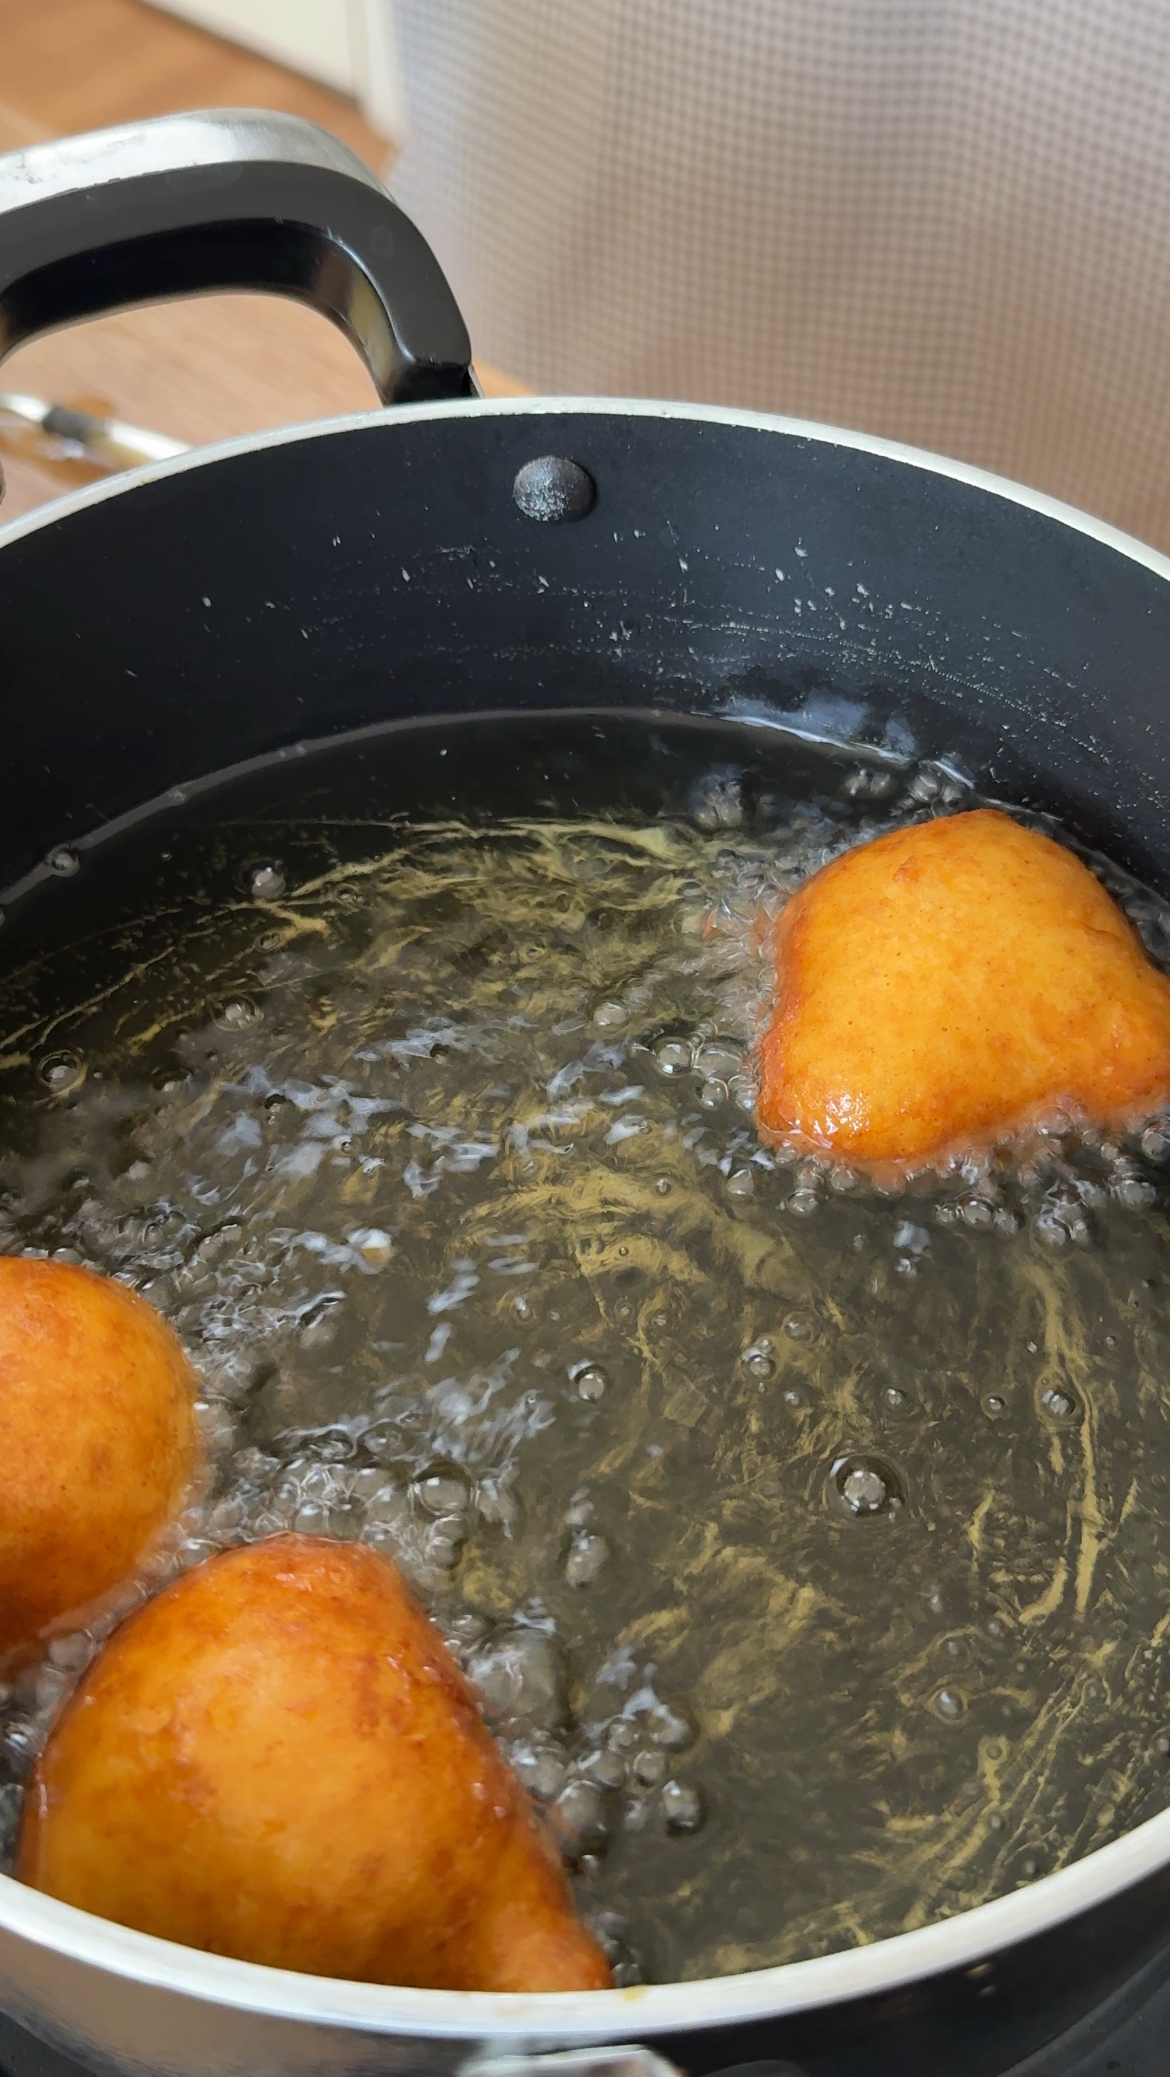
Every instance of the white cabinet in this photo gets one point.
(347, 44)
(324, 38)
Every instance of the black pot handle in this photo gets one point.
(229, 199)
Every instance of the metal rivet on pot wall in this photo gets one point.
(552, 487)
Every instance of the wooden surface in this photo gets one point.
(200, 370)
(80, 64)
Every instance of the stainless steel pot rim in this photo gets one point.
(578, 2016)
(564, 2018)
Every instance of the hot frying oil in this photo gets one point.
(808, 1545)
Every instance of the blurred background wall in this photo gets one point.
(941, 221)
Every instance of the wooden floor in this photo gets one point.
(200, 370)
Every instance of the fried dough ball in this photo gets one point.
(278, 1759)
(946, 985)
(97, 1439)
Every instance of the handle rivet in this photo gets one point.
(552, 487)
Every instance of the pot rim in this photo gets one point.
(563, 2018)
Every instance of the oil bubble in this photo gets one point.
(864, 1485)
(681, 1806)
(667, 1725)
(610, 1015)
(586, 1560)
(382, 1441)
(466, 1631)
(63, 861)
(622, 1734)
(949, 1704)
(443, 1490)
(444, 1541)
(589, 1380)
(61, 1072)
(648, 1768)
(332, 1452)
(673, 1056)
(388, 1509)
(719, 1059)
(318, 1324)
(713, 1094)
(266, 882)
(236, 1015)
(864, 1490)
(606, 1768)
(71, 1652)
(993, 1404)
(757, 1360)
(541, 1768)
(610, 1931)
(842, 1179)
(346, 1519)
(312, 1519)
(717, 802)
(578, 1818)
(521, 1676)
(372, 1245)
(1059, 1405)
(1133, 1193)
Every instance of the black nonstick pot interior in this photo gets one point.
(384, 570)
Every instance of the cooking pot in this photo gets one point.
(452, 557)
